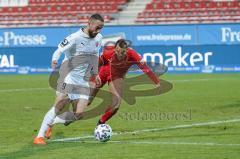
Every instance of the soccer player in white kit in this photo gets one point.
(83, 46)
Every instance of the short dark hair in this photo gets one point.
(121, 43)
(96, 17)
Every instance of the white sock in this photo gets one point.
(58, 120)
(64, 117)
(48, 120)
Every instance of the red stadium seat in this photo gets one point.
(190, 11)
(45, 12)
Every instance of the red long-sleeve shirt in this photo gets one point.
(118, 68)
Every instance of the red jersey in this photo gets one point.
(112, 68)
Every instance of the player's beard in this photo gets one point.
(91, 34)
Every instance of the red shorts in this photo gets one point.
(104, 74)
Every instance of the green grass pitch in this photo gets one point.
(209, 99)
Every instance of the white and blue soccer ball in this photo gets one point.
(103, 132)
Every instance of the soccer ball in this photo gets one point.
(103, 132)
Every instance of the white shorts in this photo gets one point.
(74, 96)
(80, 82)
(77, 96)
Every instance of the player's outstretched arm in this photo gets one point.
(143, 66)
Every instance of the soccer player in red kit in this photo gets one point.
(113, 66)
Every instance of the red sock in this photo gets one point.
(108, 114)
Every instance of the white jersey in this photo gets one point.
(78, 43)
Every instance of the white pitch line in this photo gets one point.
(176, 143)
(72, 139)
(48, 88)
(193, 80)
(23, 89)
(187, 126)
(160, 143)
(155, 129)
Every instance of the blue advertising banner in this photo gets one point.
(183, 48)
(164, 35)
(25, 60)
(219, 34)
(204, 34)
(191, 55)
(194, 59)
(205, 58)
(33, 37)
